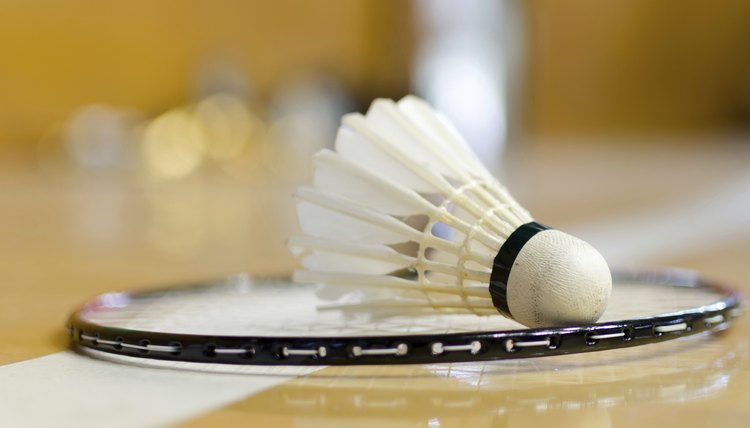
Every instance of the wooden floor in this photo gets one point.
(67, 234)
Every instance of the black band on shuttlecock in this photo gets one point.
(504, 261)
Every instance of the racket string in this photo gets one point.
(278, 324)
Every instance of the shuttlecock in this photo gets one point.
(405, 213)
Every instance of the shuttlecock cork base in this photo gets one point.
(542, 276)
(403, 216)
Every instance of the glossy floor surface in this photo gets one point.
(66, 235)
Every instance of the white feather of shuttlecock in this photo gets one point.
(377, 214)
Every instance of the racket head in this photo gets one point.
(263, 321)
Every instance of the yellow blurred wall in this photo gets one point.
(638, 66)
(56, 56)
(591, 67)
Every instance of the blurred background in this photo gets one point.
(152, 141)
(578, 68)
